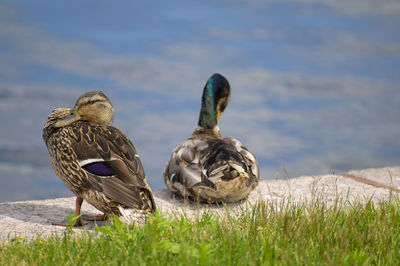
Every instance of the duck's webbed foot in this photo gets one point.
(77, 223)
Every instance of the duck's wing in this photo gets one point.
(184, 169)
(247, 158)
(112, 164)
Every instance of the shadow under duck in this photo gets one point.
(207, 167)
(96, 161)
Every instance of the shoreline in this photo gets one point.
(28, 218)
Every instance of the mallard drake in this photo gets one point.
(206, 166)
(96, 161)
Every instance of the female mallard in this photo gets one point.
(207, 167)
(96, 161)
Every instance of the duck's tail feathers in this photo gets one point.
(132, 216)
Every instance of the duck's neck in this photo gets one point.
(208, 112)
(201, 132)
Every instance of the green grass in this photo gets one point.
(307, 234)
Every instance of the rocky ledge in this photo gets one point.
(27, 219)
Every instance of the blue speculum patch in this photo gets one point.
(98, 168)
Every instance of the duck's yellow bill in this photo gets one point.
(218, 115)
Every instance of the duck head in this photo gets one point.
(216, 94)
(93, 107)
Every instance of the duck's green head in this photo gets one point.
(215, 98)
(93, 107)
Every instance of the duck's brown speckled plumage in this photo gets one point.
(208, 167)
(80, 143)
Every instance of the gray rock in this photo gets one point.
(29, 219)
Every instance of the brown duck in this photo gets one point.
(96, 161)
(206, 166)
